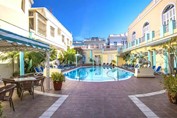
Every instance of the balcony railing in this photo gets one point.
(133, 43)
(166, 28)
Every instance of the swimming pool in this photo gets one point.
(98, 74)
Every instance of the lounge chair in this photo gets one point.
(38, 71)
(158, 70)
(136, 66)
(153, 67)
(42, 69)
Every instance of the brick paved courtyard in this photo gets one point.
(97, 100)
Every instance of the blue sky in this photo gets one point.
(94, 18)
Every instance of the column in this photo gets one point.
(146, 37)
(151, 35)
(171, 26)
(175, 63)
(47, 66)
(139, 41)
(22, 72)
(166, 62)
(150, 57)
(162, 31)
(154, 58)
(117, 59)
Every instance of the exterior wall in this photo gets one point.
(120, 61)
(93, 43)
(153, 15)
(106, 56)
(120, 39)
(51, 21)
(14, 19)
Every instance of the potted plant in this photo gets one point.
(57, 78)
(170, 84)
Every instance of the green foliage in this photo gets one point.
(33, 59)
(1, 111)
(59, 77)
(69, 55)
(171, 47)
(170, 84)
(10, 56)
(92, 60)
(113, 62)
(53, 53)
(126, 57)
(16, 73)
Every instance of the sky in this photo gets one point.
(94, 18)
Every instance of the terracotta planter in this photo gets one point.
(172, 99)
(57, 85)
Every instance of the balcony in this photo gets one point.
(153, 37)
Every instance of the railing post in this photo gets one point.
(162, 31)
(138, 41)
(171, 26)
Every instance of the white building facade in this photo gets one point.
(45, 27)
(117, 40)
(19, 18)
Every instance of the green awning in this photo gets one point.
(10, 41)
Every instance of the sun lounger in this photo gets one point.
(158, 70)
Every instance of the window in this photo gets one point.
(133, 35)
(63, 38)
(59, 31)
(67, 41)
(31, 23)
(115, 43)
(41, 28)
(41, 24)
(30, 13)
(145, 28)
(168, 14)
(52, 31)
(23, 5)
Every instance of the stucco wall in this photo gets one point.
(153, 15)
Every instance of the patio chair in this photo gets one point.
(153, 67)
(40, 82)
(158, 70)
(6, 93)
(8, 81)
(38, 71)
(27, 86)
(42, 69)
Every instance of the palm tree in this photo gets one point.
(53, 53)
(69, 55)
(33, 59)
(10, 56)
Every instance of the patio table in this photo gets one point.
(18, 82)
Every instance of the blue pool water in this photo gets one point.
(98, 74)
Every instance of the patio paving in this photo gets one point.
(97, 100)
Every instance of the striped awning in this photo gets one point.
(10, 41)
